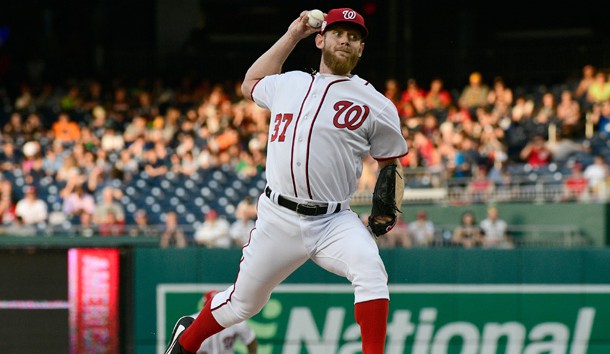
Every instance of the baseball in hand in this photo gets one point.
(315, 18)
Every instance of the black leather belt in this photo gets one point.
(304, 209)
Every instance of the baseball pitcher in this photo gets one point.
(322, 125)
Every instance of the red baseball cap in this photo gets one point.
(344, 14)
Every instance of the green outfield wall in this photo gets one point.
(442, 301)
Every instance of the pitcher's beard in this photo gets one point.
(339, 66)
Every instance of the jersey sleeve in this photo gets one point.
(386, 137)
(264, 90)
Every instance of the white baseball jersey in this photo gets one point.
(224, 341)
(321, 127)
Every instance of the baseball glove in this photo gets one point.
(385, 200)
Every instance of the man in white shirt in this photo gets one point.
(244, 223)
(494, 230)
(31, 210)
(596, 173)
(213, 232)
(421, 230)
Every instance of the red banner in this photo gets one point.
(93, 297)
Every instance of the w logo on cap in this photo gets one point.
(349, 14)
(344, 14)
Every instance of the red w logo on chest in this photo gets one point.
(350, 115)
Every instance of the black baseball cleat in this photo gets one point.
(174, 347)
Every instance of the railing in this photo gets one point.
(528, 186)
(521, 236)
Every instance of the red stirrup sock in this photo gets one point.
(372, 316)
(205, 325)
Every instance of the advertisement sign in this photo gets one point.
(423, 319)
(93, 278)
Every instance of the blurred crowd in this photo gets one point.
(90, 138)
(491, 232)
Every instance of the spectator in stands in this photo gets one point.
(25, 98)
(34, 128)
(72, 100)
(213, 232)
(599, 90)
(474, 94)
(109, 214)
(89, 140)
(109, 225)
(523, 108)
(426, 151)
(480, 188)
(563, 147)
(54, 158)
(10, 158)
(186, 164)
(93, 95)
(134, 129)
(494, 230)
(173, 235)
(587, 78)
(120, 105)
(600, 118)
(68, 169)
(536, 153)
(597, 174)
(141, 226)
(430, 126)
(244, 223)
(31, 209)
(78, 205)
(14, 127)
(245, 167)
(99, 121)
(7, 202)
(421, 230)
(468, 233)
(545, 115)
(397, 237)
(249, 207)
(500, 94)
(186, 142)
(491, 146)
(126, 167)
(467, 157)
(170, 122)
(34, 173)
(112, 140)
(576, 186)
(498, 173)
(392, 91)
(144, 105)
(65, 130)
(156, 133)
(569, 115)
(412, 93)
(438, 98)
(153, 165)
